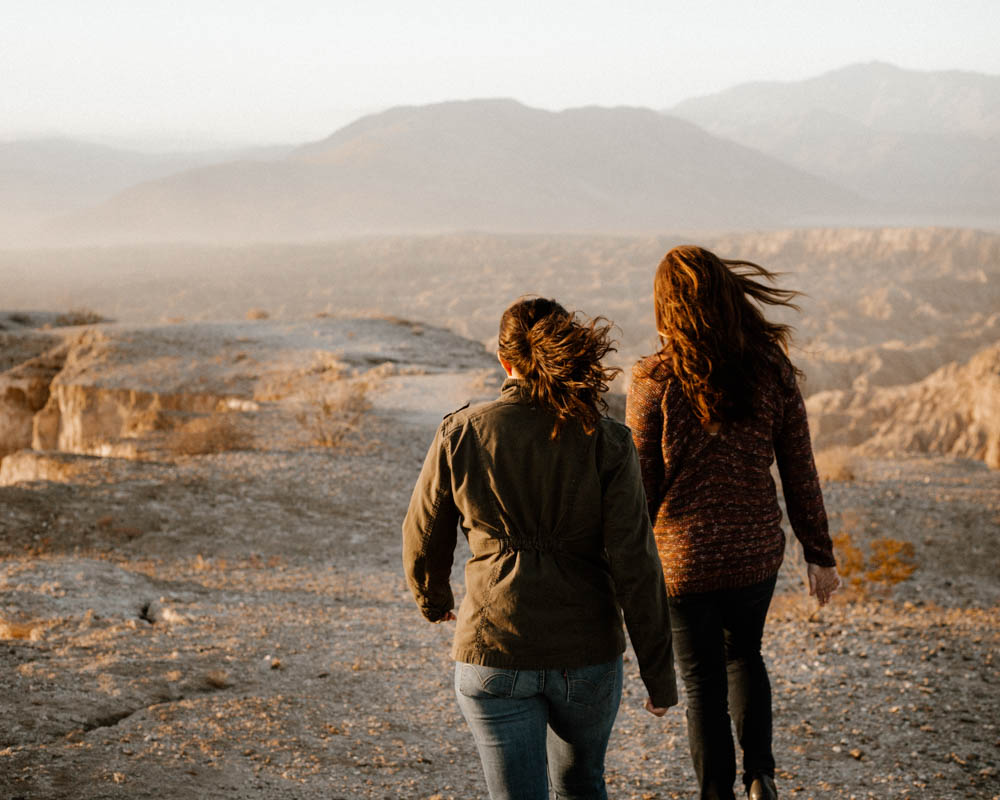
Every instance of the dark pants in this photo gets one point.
(717, 646)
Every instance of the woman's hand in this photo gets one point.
(823, 582)
(449, 616)
(656, 712)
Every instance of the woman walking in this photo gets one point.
(547, 491)
(710, 412)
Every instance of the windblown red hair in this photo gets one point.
(714, 335)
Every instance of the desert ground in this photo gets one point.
(201, 593)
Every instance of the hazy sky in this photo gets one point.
(257, 71)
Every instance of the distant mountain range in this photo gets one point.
(868, 144)
(912, 141)
(40, 178)
(482, 165)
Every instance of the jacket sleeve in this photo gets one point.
(638, 575)
(644, 415)
(799, 479)
(429, 533)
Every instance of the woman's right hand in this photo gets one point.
(656, 712)
(823, 582)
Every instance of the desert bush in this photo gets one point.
(217, 433)
(19, 630)
(891, 561)
(850, 559)
(835, 464)
(79, 316)
(887, 561)
(276, 386)
(218, 679)
(257, 313)
(335, 411)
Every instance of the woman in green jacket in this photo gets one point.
(548, 493)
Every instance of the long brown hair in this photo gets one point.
(559, 357)
(714, 335)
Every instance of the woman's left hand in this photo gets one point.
(823, 582)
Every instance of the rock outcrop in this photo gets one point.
(118, 391)
(24, 391)
(157, 392)
(954, 411)
(31, 465)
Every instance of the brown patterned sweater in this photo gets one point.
(712, 500)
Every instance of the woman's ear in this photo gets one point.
(507, 366)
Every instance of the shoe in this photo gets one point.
(763, 788)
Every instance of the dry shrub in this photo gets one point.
(257, 313)
(79, 316)
(835, 464)
(335, 411)
(887, 562)
(217, 433)
(202, 564)
(19, 630)
(145, 421)
(850, 559)
(277, 386)
(218, 679)
(892, 561)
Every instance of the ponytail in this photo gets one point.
(559, 358)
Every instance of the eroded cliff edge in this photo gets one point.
(156, 392)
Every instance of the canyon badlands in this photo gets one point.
(200, 580)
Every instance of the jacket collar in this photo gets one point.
(515, 389)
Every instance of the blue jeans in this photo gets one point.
(536, 726)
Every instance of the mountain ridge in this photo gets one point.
(492, 165)
(917, 143)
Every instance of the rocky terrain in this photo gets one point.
(954, 410)
(200, 592)
(883, 308)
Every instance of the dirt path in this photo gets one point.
(236, 626)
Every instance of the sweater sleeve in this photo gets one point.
(644, 415)
(638, 576)
(800, 481)
(430, 533)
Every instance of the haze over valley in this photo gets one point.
(868, 144)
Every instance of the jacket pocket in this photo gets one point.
(475, 680)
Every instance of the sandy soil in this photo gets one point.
(236, 625)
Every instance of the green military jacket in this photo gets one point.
(560, 540)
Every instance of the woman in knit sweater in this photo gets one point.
(709, 414)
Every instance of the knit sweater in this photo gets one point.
(712, 500)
